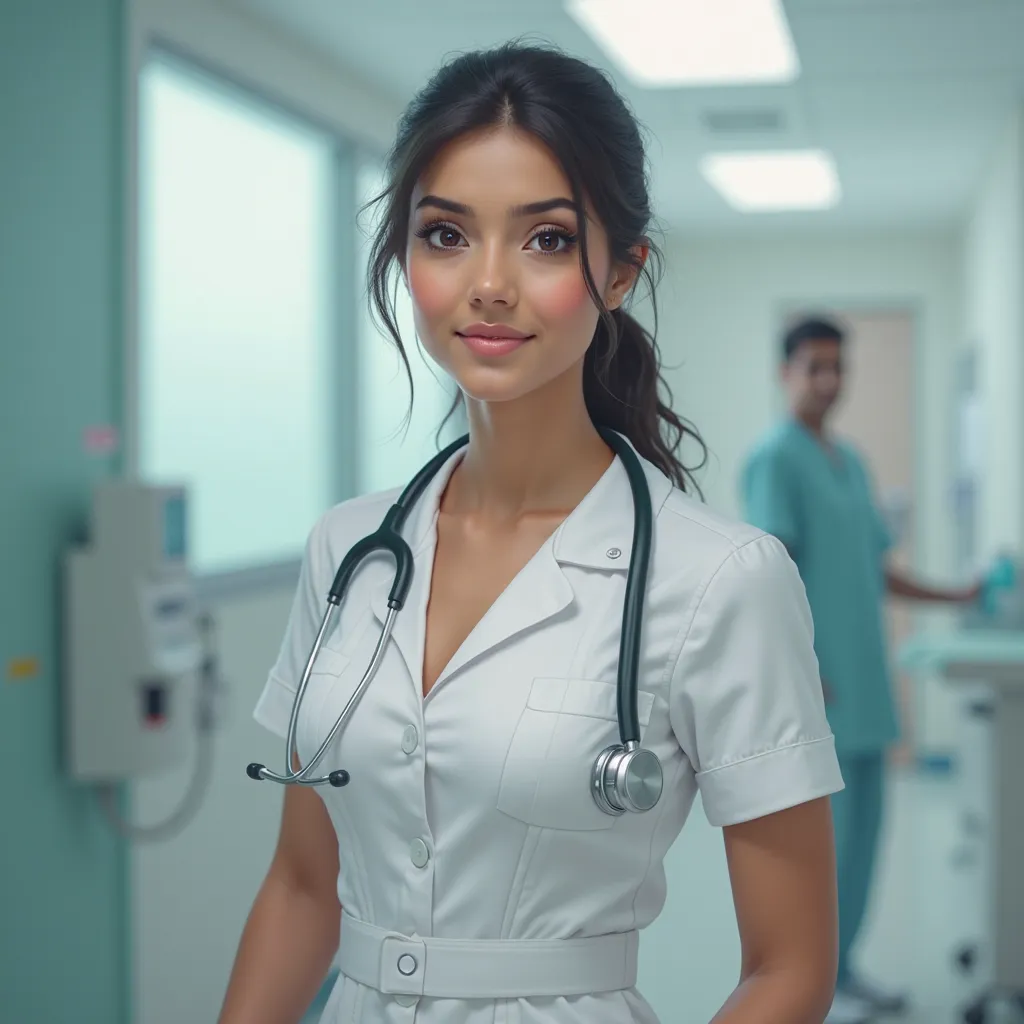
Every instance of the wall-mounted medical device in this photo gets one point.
(137, 651)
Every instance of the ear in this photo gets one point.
(624, 276)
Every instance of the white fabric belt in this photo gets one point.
(404, 965)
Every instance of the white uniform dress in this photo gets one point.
(469, 814)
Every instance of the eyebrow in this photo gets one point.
(527, 210)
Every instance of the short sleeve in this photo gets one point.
(273, 709)
(768, 497)
(746, 700)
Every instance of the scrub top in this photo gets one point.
(821, 506)
(469, 814)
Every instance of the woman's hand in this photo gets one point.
(783, 873)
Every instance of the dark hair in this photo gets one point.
(575, 111)
(810, 329)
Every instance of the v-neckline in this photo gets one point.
(832, 453)
(430, 557)
(556, 597)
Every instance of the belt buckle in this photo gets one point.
(403, 968)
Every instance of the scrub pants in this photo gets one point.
(857, 817)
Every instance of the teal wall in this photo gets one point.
(63, 874)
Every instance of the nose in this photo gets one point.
(827, 381)
(494, 280)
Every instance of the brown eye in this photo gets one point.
(550, 242)
(444, 238)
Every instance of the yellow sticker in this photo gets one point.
(20, 669)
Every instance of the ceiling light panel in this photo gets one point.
(764, 182)
(665, 43)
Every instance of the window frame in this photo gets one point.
(151, 40)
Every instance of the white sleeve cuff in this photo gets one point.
(770, 782)
(274, 708)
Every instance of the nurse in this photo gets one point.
(811, 489)
(470, 874)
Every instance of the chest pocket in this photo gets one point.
(566, 723)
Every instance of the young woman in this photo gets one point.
(472, 874)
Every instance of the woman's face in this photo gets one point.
(493, 266)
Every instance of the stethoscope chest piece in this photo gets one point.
(626, 778)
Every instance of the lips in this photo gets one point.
(495, 332)
(492, 339)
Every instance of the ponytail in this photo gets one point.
(624, 390)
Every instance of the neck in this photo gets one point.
(815, 424)
(538, 453)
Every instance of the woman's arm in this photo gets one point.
(783, 874)
(292, 932)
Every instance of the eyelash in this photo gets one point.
(428, 229)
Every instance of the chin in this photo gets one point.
(490, 384)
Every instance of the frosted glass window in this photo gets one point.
(389, 453)
(236, 216)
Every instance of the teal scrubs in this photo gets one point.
(820, 505)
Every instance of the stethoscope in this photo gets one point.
(625, 776)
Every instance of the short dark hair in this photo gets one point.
(814, 328)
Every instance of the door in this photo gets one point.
(877, 415)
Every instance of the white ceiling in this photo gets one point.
(909, 95)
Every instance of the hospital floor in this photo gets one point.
(929, 900)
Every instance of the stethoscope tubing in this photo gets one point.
(388, 538)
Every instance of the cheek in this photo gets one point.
(563, 297)
(433, 292)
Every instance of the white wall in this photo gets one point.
(994, 306)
